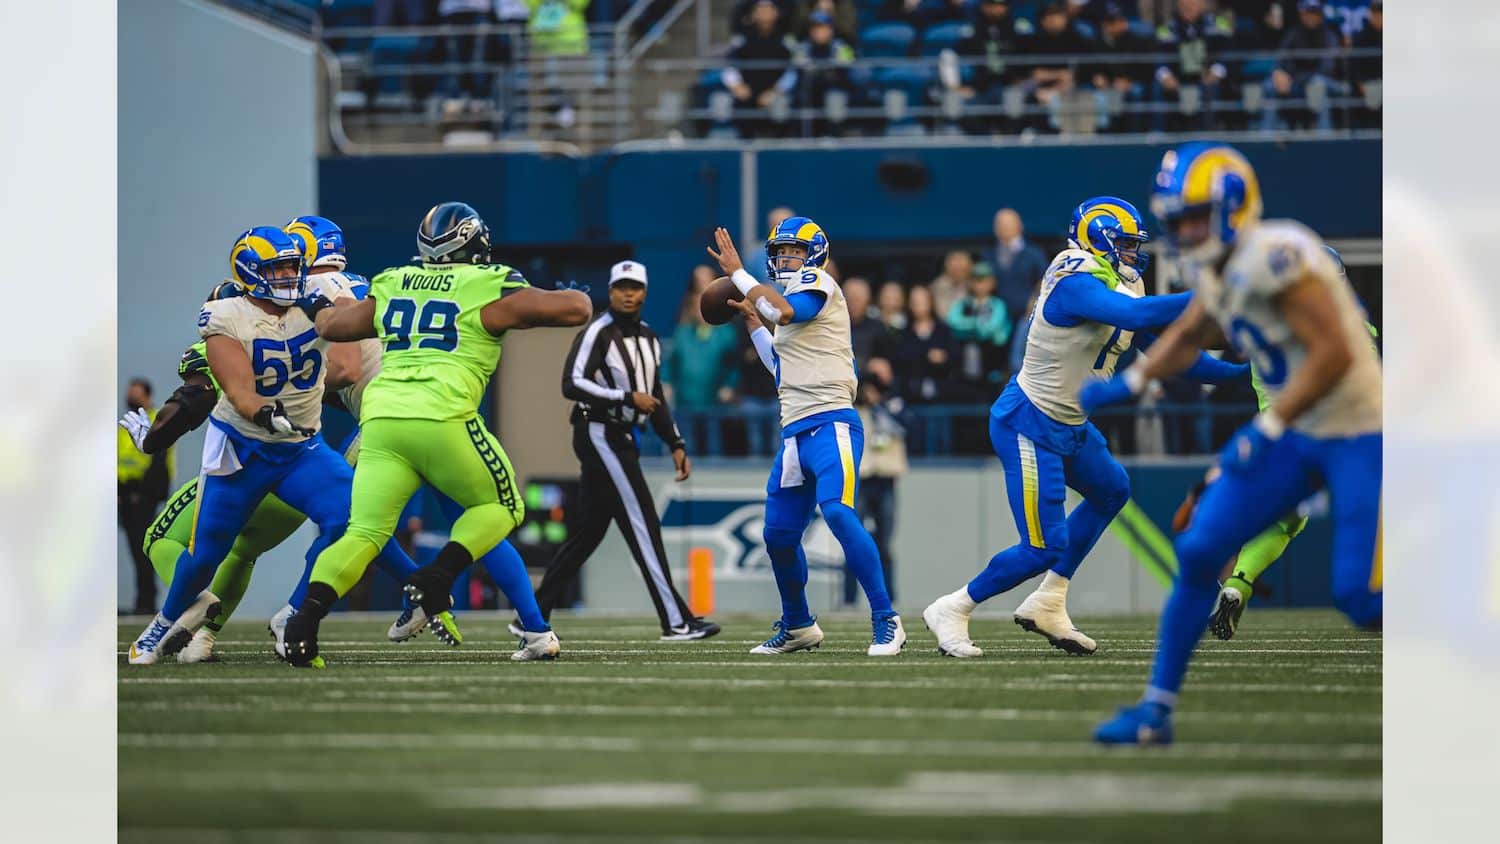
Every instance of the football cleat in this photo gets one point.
(889, 637)
(1227, 612)
(277, 626)
(537, 646)
(790, 640)
(445, 628)
(515, 628)
(301, 642)
(146, 649)
(1046, 614)
(696, 628)
(203, 608)
(200, 649)
(408, 624)
(949, 621)
(429, 587)
(1144, 723)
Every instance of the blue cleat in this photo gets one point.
(1144, 723)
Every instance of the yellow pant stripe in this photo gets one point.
(846, 456)
(1030, 492)
(1377, 572)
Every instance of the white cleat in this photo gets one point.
(146, 649)
(790, 640)
(277, 626)
(409, 623)
(889, 637)
(200, 649)
(948, 619)
(515, 628)
(1045, 613)
(536, 646)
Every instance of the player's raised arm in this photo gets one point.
(1175, 352)
(345, 320)
(186, 409)
(770, 305)
(1313, 317)
(533, 308)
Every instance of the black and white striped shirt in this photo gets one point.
(614, 356)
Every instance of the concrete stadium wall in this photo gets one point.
(217, 133)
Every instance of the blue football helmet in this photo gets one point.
(1111, 228)
(267, 263)
(804, 233)
(321, 239)
(1210, 179)
(1338, 260)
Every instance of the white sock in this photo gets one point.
(961, 597)
(1161, 696)
(1054, 582)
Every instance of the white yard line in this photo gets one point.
(261, 703)
(472, 742)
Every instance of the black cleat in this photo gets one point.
(694, 629)
(430, 586)
(301, 641)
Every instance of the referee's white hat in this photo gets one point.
(627, 271)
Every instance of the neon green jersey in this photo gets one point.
(436, 355)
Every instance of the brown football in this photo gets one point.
(715, 299)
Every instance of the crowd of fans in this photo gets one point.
(931, 357)
(1008, 66)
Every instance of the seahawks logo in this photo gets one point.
(729, 523)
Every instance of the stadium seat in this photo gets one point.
(887, 41)
(943, 36)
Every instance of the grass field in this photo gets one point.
(1278, 739)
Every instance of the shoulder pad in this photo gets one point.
(226, 289)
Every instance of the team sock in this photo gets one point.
(789, 565)
(1085, 525)
(453, 559)
(1257, 556)
(860, 555)
(1006, 570)
(508, 570)
(1183, 620)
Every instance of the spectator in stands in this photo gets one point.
(1117, 80)
(1196, 37)
(996, 37)
(701, 365)
(845, 18)
(755, 257)
(884, 463)
(1019, 265)
(742, 17)
(953, 284)
(823, 60)
(1259, 24)
(864, 329)
(886, 349)
(981, 326)
(469, 87)
(559, 27)
(400, 13)
(1056, 37)
(768, 72)
(1366, 70)
(925, 359)
(1294, 77)
(1018, 336)
(942, 11)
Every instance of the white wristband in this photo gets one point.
(770, 312)
(1270, 424)
(744, 281)
(1135, 379)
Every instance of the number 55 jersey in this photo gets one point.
(437, 355)
(1271, 257)
(286, 361)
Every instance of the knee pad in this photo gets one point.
(780, 537)
(1198, 557)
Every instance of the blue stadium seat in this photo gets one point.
(944, 36)
(886, 40)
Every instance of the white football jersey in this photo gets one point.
(1268, 259)
(817, 356)
(336, 286)
(286, 357)
(1058, 357)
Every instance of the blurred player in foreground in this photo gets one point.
(812, 359)
(1271, 290)
(267, 358)
(441, 326)
(1091, 309)
(1266, 548)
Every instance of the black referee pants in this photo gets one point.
(613, 489)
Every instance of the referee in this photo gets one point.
(613, 373)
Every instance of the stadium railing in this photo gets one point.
(942, 430)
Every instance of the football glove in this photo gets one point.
(274, 419)
(137, 424)
(312, 303)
